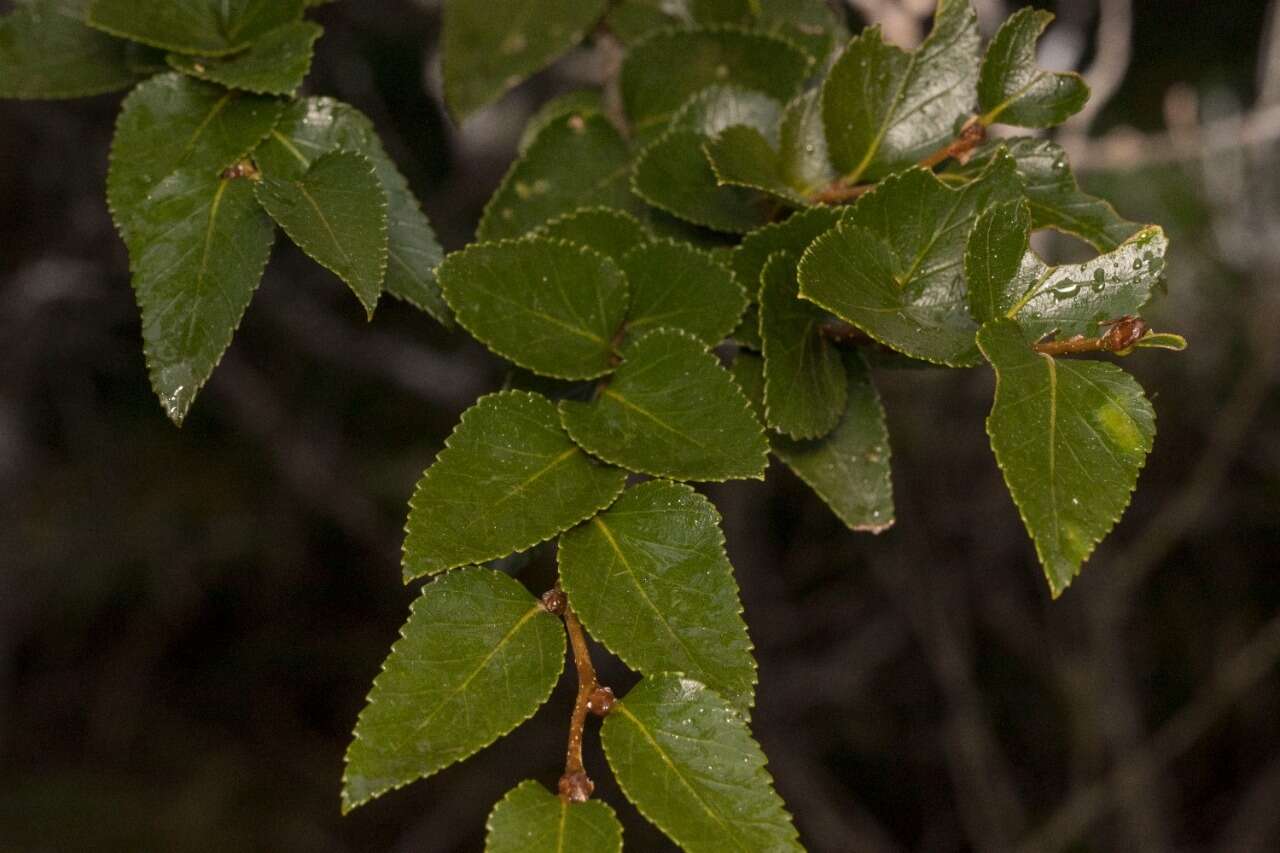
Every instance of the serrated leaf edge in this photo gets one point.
(488, 822)
(790, 198)
(172, 58)
(448, 445)
(707, 256)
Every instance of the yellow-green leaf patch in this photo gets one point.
(530, 819)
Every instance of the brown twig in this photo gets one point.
(1120, 338)
(575, 785)
(973, 134)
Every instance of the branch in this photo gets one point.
(973, 134)
(1121, 338)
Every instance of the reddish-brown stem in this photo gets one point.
(1123, 334)
(575, 785)
(973, 134)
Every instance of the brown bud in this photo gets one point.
(576, 787)
(601, 701)
(1125, 332)
(554, 601)
(242, 169)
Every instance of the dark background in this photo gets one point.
(190, 619)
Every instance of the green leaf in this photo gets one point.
(674, 175)
(1163, 340)
(274, 64)
(1012, 89)
(337, 214)
(811, 25)
(747, 332)
(716, 108)
(806, 166)
(688, 762)
(1056, 200)
(1068, 300)
(632, 20)
(894, 267)
(672, 411)
(849, 467)
(197, 242)
(723, 11)
(650, 580)
(204, 27)
(741, 157)
(997, 246)
(676, 286)
(531, 819)
(804, 381)
(576, 161)
(1070, 437)
(312, 127)
(488, 51)
(610, 232)
(477, 657)
(47, 51)
(507, 479)
(886, 108)
(549, 306)
(666, 68)
(793, 234)
(582, 102)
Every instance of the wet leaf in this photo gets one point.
(793, 235)
(275, 64)
(47, 51)
(1014, 90)
(886, 108)
(337, 214)
(741, 157)
(507, 479)
(203, 27)
(547, 305)
(488, 51)
(650, 580)
(676, 286)
(805, 164)
(672, 411)
(1070, 437)
(531, 819)
(690, 765)
(477, 657)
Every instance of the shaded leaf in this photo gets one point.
(672, 411)
(47, 51)
(805, 163)
(1163, 340)
(747, 332)
(804, 381)
(576, 161)
(531, 819)
(1069, 300)
(793, 234)
(197, 242)
(205, 27)
(488, 51)
(1050, 188)
(650, 580)
(632, 20)
(507, 479)
(550, 306)
(337, 214)
(673, 174)
(312, 127)
(811, 25)
(610, 232)
(716, 108)
(1012, 89)
(476, 658)
(894, 267)
(582, 102)
(849, 467)
(676, 286)
(1070, 437)
(690, 765)
(275, 64)
(662, 71)
(740, 156)
(886, 108)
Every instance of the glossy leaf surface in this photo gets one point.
(47, 51)
(549, 306)
(274, 64)
(690, 765)
(672, 411)
(337, 214)
(1014, 90)
(477, 657)
(531, 819)
(676, 286)
(507, 479)
(204, 27)
(650, 580)
(1070, 437)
